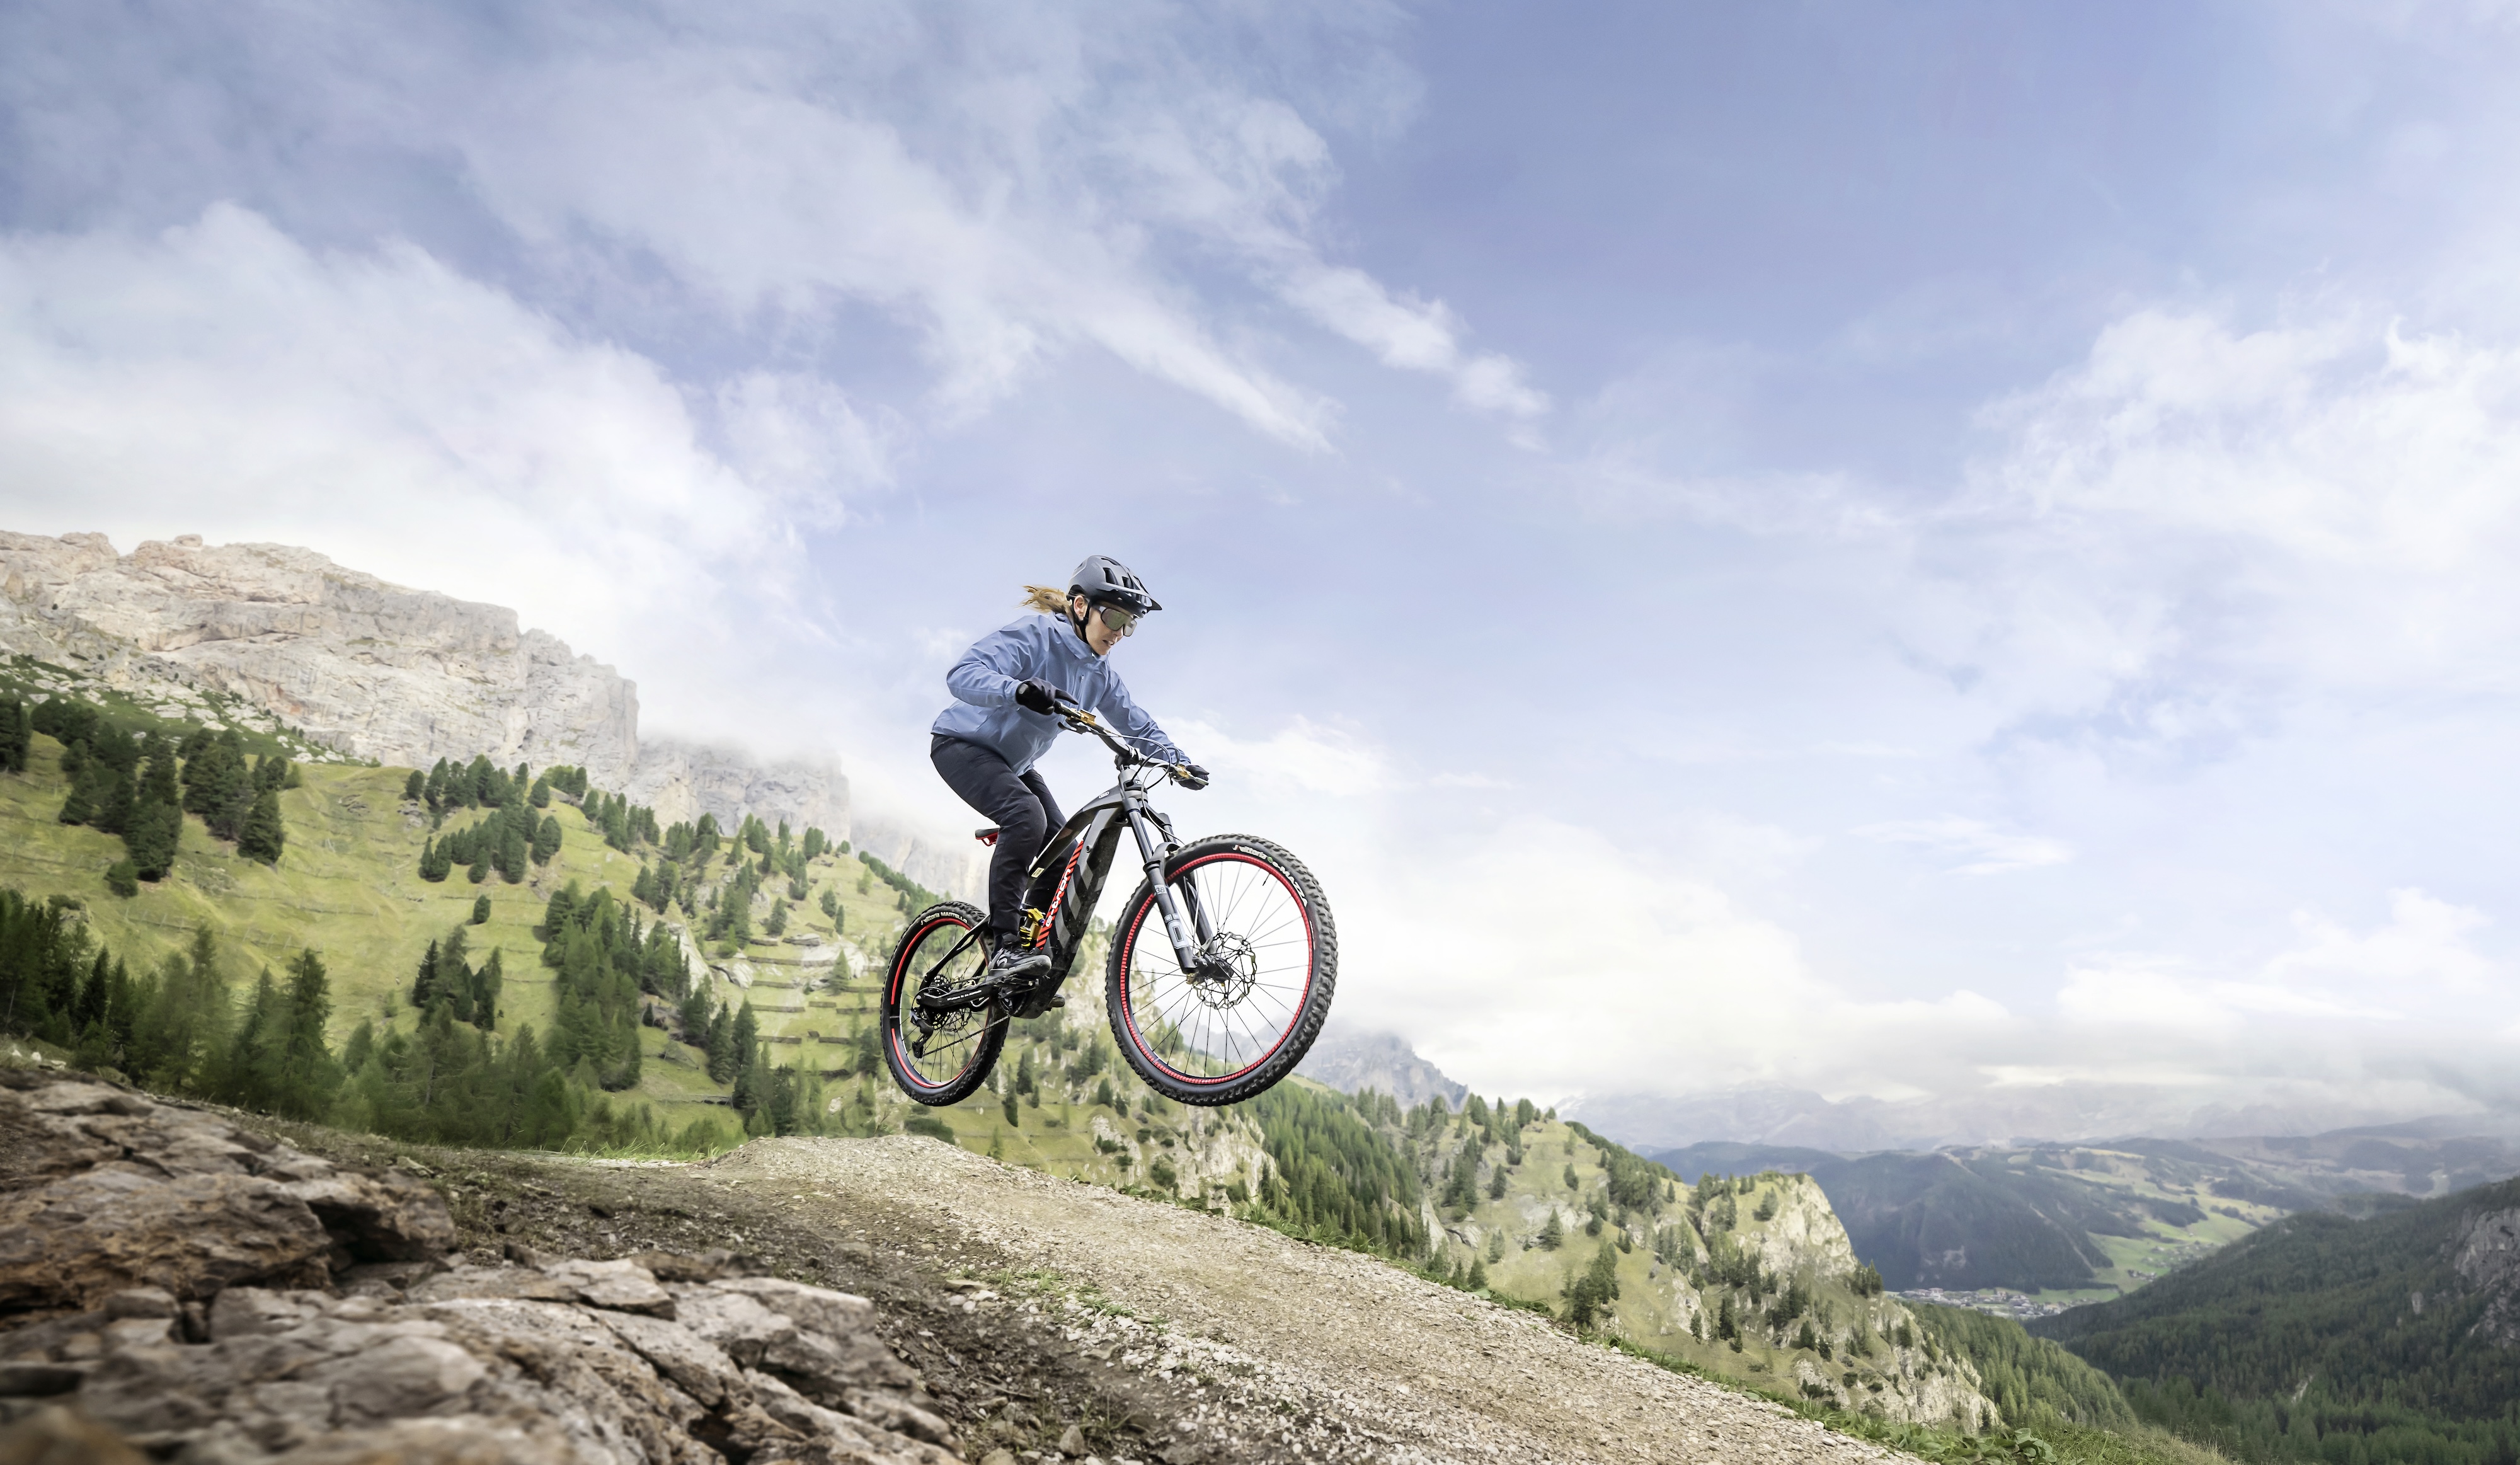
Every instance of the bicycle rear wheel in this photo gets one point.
(943, 1059)
(1250, 1009)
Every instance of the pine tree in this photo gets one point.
(720, 1044)
(561, 911)
(309, 1075)
(423, 984)
(217, 785)
(122, 878)
(1553, 1235)
(547, 840)
(1496, 1184)
(486, 985)
(1478, 1279)
(751, 1086)
(782, 1097)
(156, 815)
(1594, 1291)
(262, 837)
(114, 792)
(480, 910)
(17, 735)
(81, 805)
(415, 788)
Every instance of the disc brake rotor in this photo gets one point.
(1226, 968)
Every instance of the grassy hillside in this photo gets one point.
(350, 888)
(2327, 1338)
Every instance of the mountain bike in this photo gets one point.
(1221, 969)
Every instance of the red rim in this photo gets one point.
(1129, 949)
(901, 1056)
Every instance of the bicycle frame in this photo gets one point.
(1065, 881)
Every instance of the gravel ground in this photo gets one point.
(1265, 1347)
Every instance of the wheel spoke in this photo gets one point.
(1216, 1025)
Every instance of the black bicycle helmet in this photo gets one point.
(1104, 580)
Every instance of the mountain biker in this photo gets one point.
(1006, 688)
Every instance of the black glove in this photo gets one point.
(1192, 776)
(1035, 695)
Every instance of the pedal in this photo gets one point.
(1035, 1004)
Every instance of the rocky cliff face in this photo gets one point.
(374, 671)
(368, 669)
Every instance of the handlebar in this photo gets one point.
(1078, 720)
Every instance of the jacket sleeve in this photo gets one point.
(988, 674)
(1125, 714)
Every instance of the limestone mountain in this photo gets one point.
(286, 638)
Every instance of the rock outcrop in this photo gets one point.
(171, 1283)
(277, 636)
(368, 669)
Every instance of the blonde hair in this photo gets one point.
(1046, 600)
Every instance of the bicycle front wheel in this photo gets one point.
(939, 1058)
(1249, 1007)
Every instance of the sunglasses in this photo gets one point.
(1123, 621)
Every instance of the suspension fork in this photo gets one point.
(1186, 940)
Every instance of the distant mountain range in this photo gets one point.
(2109, 1215)
(1351, 1060)
(2072, 1113)
(2075, 1220)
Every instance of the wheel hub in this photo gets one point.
(1226, 968)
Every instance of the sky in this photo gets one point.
(1887, 549)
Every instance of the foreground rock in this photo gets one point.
(182, 1287)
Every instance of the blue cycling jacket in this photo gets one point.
(983, 683)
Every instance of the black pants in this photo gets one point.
(1018, 804)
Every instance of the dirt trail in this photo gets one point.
(1287, 1349)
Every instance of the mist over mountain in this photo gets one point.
(2071, 1113)
(1350, 1061)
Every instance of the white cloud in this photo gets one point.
(1302, 757)
(2199, 523)
(1414, 335)
(410, 423)
(1980, 848)
(2420, 970)
(2424, 952)
(1018, 187)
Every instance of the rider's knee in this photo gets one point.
(1027, 828)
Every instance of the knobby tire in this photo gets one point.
(958, 1062)
(1218, 1055)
